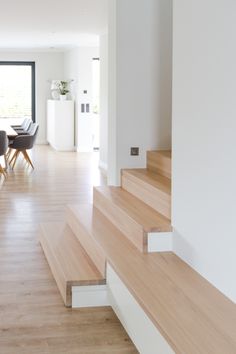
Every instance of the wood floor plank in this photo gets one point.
(33, 318)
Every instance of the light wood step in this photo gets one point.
(69, 263)
(192, 315)
(151, 188)
(159, 162)
(129, 214)
(86, 239)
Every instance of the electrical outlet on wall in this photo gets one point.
(134, 151)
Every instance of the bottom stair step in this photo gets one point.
(69, 263)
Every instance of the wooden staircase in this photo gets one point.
(111, 240)
(134, 211)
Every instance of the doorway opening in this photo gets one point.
(17, 91)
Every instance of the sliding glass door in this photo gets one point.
(17, 90)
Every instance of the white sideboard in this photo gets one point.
(60, 124)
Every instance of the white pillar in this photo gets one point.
(204, 145)
(140, 42)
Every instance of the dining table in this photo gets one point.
(5, 125)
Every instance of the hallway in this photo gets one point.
(33, 318)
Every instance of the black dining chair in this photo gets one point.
(24, 128)
(23, 125)
(3, 150)
(23, 143)
(24, 131)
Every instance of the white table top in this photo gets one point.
(4, 125)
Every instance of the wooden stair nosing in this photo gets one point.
(133, 218)
(93, 249)
(152, 189)
(182, 321)
(59, 264)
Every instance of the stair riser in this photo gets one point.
(150, 195)
(89, 296)
(160, 242)
(90, 245)
(144, 334)
(131, 229)
(158, 163)
(54, 266)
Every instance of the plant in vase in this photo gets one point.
(63, 89)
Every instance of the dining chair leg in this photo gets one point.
(8, 154)
(6, 163)
(26, 156)
(3, 171)
(16, 156)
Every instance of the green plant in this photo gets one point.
(63, 87)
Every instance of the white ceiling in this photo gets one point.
(51, 24)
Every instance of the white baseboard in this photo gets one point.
(140, 328)
(160, 241)
(84, 149)
(64, 149)
(89, 296)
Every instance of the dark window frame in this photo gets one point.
(32, 64)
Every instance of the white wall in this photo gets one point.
(48, 66)
(78, 66)
(140, 62)
(103, 100)
(204, 144)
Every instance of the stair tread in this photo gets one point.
(184, 306)
(144, 215)
(74, 264)
(156, 180)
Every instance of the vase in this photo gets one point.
(63, 97)
(55, 94)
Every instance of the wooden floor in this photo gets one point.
(33, 318)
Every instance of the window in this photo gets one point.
(17, 90)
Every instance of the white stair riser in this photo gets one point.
(89, 296)
(160, 242)
(140, 328)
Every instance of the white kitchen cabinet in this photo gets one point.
(60, 125)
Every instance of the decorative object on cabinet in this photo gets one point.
(60, 89)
